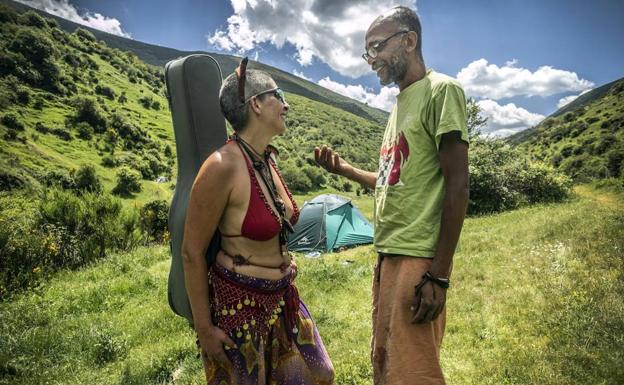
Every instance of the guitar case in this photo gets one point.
(193, 83)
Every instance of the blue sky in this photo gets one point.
(519, 59)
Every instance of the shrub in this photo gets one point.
(501, 179)
(32, 19)
(146, 101)
(85, 131)
(296, 180)
(10, 181)
(87, 110)
(38, 105)
(108, 348)
(168, 151)
(154, 219)
(40, 127)
(109, 161)
(316, 175)
(23, 249)
(8, 14)
(42, 234)
(62, 133)
(23, 96)
(86, 180)
(11, 121)
(84, 34)
(541, 183)
(58, 178)
(33, 45)
(122, 98)
(11, 135)
(87, 225)
(105, 91)
(38, 50)
(128, 182)
(615, 161)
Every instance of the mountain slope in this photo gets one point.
(585, 138)
(68, 99)
(159, 56)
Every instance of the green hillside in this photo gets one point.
(159, 56)
(68, 99)
(584, 139)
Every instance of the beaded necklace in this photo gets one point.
(260, 164)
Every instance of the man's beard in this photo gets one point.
(395, 69)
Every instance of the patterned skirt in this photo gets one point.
(277, 341)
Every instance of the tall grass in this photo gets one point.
(537, 297)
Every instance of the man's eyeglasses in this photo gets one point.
(277, 92)
(375, 49)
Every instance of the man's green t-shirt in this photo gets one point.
(410, 186)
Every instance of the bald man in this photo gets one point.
(421, 195)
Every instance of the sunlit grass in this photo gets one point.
(537, 297)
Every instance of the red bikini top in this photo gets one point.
(261, 223)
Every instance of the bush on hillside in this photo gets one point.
(8, 14)
(146, 101)
(59, 178)
(33, 45)
(42, 128)
(84, 34)
(297, 181)
(109, 161)
(86, 180)
(128, 182)
(9, 180)
(38, 66)
(83, 180)
(154, 220)
(62, 133)
(42, 234)
(32, 19)
(85, 131)
(87, 110)
(23, 96)
(501, 179)
(105, 91)
(540, 183)
(11, 121)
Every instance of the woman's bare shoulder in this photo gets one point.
(222, 162)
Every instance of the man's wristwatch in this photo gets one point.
(442, 282)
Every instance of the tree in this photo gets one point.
(86, 180)
(128, 182)
(475, 120)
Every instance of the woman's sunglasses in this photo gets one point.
(241, 72)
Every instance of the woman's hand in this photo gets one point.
(331, 161)
(211, 341)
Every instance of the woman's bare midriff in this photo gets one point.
(262, 253)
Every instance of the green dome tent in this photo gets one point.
(329, 222)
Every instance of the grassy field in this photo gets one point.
(537, 298)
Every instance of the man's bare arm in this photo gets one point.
(430, 298)
(454, 164)
(332, 162)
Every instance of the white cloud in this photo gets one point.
(301, 75)
(329, 30)
(385, 99)
(506, 120)
(484, 80)
(63, 9)
(568, 99)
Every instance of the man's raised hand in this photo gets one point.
(331, 161)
